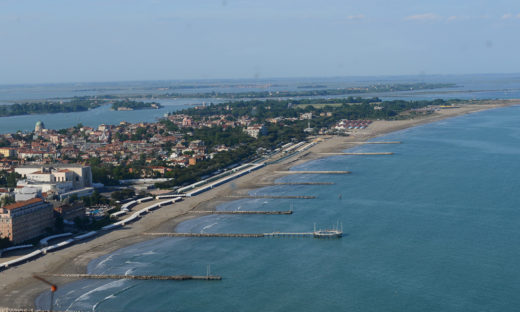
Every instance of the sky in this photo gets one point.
(126, 40)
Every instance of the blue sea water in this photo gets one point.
(434, 227)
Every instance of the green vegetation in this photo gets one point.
(328, 113)
(95, 199)
(8, 179)
(218, 136)
(134, 105)
(4, 142)
(313, 86)
(321, 92)
(109, 174)
(122, 194)
(6, 200)
(345, 108)
(76, 104)
(186, 175)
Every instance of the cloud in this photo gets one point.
(356, 17)
(423, 17)
(507, 16)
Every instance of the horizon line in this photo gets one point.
(253, 79)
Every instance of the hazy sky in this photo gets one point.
(107, 40)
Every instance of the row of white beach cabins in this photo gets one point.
(125, 208)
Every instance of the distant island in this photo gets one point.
(316, 86)
(123, 103)
(134, 105)
(76, 104)
(318, 91)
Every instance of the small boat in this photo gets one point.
(328, 233)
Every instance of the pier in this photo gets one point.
(271, 197)
(141, 277)
(287, 212)
(315, 234)
(382, 153)
(380, 142)
(312, 172)
(206, 235)
(301, 183)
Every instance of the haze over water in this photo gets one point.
(497, 86)
(432, 228)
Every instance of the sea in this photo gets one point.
(433, 227)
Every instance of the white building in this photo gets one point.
(58, 179)
(26, 193)
(80, 176)
(255, 130)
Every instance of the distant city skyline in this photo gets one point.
(112, 40)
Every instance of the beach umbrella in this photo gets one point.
(53, 289)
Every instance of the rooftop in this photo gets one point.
(23, 203)
(53, 166)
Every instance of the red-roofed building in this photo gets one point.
(25, 220)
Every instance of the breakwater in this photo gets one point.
(302, 183)
(315, 234)
(313, 172)
(140, 277)
(272, 197)
(382, 153)
(379, 142)
(287, 212)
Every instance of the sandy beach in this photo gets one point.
(19, 289)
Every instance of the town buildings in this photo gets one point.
(25, 220)
(58, 179)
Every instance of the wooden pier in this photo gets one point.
(206, 235)
(301, 183)
(287, 212)
(312, 172)
(382, 153)
(141, 277)
(380, 142)
(271, 197)
(315, 234)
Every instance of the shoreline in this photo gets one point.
(20, 290)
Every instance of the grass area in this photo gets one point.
(319, 105)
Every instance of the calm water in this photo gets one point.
(95, 117)
(503, 86)
(432, 228)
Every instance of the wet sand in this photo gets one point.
(19, 289)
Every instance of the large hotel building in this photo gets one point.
(25, 220)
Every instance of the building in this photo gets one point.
(70, 211)
(7, 152)
(187, 122)
(255, 130)
(79, 176)
(39, 126)
(57, 178)
(25, 220)
(26, 193)
(305, 116)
